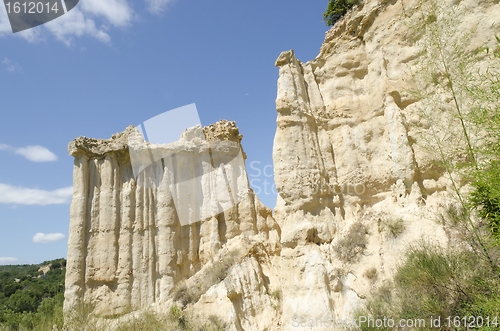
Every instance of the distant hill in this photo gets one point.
(26, 288)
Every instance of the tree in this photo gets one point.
(337, 9)
(22, 301)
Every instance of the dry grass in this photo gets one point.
(175, 320)
(394, 227)
(84, 318)
(371, 273)
(353, 244)
(276, 294)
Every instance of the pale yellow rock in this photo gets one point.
(348, 150)
(242, 300)
(127, 248)
(355, 186)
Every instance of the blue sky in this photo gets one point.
(108, 64)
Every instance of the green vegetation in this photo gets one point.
(32, 300)
(458, 92)
(276, 294)
(434, 282)
(485, 114)
(393, 226)
(180, 320)
(276, 299)
(84, 319)
(336, 9)
(176, 319)
(29, 298)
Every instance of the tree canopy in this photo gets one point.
(336, 9)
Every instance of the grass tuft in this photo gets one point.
(353, 244)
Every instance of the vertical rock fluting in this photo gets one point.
(348, 163)
(127, 248)
(348, 157)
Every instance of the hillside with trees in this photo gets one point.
(31, 294)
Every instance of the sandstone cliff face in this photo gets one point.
(348, 157)
(356, 188)
(127, 248)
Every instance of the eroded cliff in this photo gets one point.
(356, 183)
(127, 247)
(356, 186)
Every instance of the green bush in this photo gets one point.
(485, 197)
(336, 9)
(485, 115)
(433, 282)
(22, 302)
(28, 302)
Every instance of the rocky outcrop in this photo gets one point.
(349, 164)
(127, 248)
(355, 186)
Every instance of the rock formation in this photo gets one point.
(355, 188)
(127, 248)
(349, 164)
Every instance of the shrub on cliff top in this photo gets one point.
(336, 9)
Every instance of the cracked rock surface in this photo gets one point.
(355, 188)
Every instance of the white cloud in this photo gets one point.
(91, 18)
(116, 12)
(11, 66)
(76, 24)
(4, 21)
(31, 153)
(7, 260)
(26, 196)
(157, 6)
(42, 238)
(36, 153)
